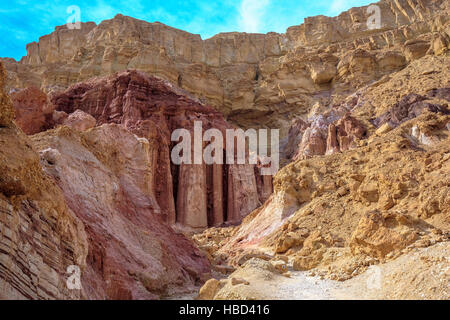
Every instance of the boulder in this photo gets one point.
(80, 121)
(440, 43)
(106, 175)
(378, 234)
(33, 110)
(415, 49)
(209, 289)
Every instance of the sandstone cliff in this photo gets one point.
(84, 201)
(384, 200)
(40, 236)
(254, 79)
(195, 196)
(365, 120)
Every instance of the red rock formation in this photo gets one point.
(334, 131)
(263, 183)
(86, 202)
(32, 109)
(343, 133)
(295, 136)
(313, 139)
(39, 235)
(192, 195)
(80, 120)
(106, 175)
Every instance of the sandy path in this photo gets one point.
(421, 274)
(424, 273)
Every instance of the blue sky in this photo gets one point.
(24, 21)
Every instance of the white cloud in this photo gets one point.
(252, 14)
(337, 6)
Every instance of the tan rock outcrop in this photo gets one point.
(80, 120)
(440, 43)
(40, 235)
(378, 234)
(316, 215)
(415, 49)
(106, 174)
(261, 80)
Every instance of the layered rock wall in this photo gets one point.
(194, 195)
(256, 80)
(86, 201)
(106, 176)
(40, 237)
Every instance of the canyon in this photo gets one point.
(87, 180)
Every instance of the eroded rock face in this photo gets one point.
(32, 109)
(296, 131)
(415, 49)
(254, 79)
(378, 234)
(40, 235)
(334, 131)
(440, 43)
(6, 110)
(412, 106)
(80, 120)
(338, 214)
(106, 175)
(193, 195)
(85, 201)
(343, 135)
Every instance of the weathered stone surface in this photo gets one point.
(391, 61)
(316, 215)
(254, 79)
(411, 106)
(106, 175)
(264, 184)
(440, 43)
(209, 290)
(331, 132)
(194, 195)
(40, 236)
(378, 234)
(33, 110)
(295, 136)
(80, 120)
(313, 140)
(6, 110)
(415, 49)
(104, 221)
(343, 134)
